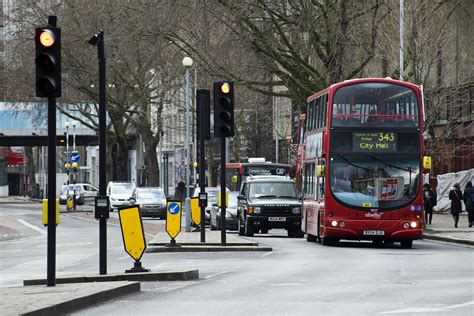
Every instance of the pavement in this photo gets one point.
(76, 292)
(442, 229)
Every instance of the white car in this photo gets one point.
(84, 192)
(119, 194)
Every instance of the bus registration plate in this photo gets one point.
(277, 219)
(374, 232)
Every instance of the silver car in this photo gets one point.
(230, 216)
(212, 193)
(152, 201)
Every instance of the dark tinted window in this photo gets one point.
(375, 104)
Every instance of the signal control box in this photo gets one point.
(102, 207)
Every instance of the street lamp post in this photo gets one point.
(67, 165)
(74, 170)
(187, 64)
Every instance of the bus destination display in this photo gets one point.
(374, 142)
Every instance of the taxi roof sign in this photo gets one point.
(132, 231)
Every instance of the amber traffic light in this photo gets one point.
(48, 62)
(223, 109)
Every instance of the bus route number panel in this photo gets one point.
(374, 142)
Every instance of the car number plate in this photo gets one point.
(374, 232)
(277, 219)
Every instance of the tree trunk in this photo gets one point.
(152, 167)
(31, 188)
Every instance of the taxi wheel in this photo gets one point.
(248, 229)
(218, 225)
(240, 228)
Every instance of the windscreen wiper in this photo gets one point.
(286, 197)
(266, 196)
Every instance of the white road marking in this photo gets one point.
(123, 258)
(286, 284)
(266, 254)
(42, 231)
(429, 309)
(215, 274)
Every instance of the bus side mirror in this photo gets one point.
(427, 162)
(234, 179)
(320, 170)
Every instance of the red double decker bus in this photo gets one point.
(360, 162)
(236, 172)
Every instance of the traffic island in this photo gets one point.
(62, 298)
(186, 275)
(190, 242)
(206, 248)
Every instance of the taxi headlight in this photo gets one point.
(296, 210)
(257, 210)
(228, 215)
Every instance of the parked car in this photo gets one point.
(119, 194)
(212, 193)
(231, 214)
(267, 202)
(83, 191)
(151, 200)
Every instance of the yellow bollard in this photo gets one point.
(45, 212)
(195, 211)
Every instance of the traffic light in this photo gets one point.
(223, 109)
(48, 62)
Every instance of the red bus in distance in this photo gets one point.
(236, 172)
(360, 162)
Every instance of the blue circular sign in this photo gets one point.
(75, 157)
(173, 208)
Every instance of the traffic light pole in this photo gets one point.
(51, 258)
(102, 153)
(202, 101)
(223, 192)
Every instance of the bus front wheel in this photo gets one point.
(406, 244)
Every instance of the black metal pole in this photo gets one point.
(51, 273)
(223, 192)
(102, 153)
(203, 99)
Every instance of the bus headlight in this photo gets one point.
(413, 224)
(342, 224)
(406, 225)
(334, 223)
(296, 210)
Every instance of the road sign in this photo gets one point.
(75, 157)
(132, 231)
(173, 218)
(70, 201)
(195, 210)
